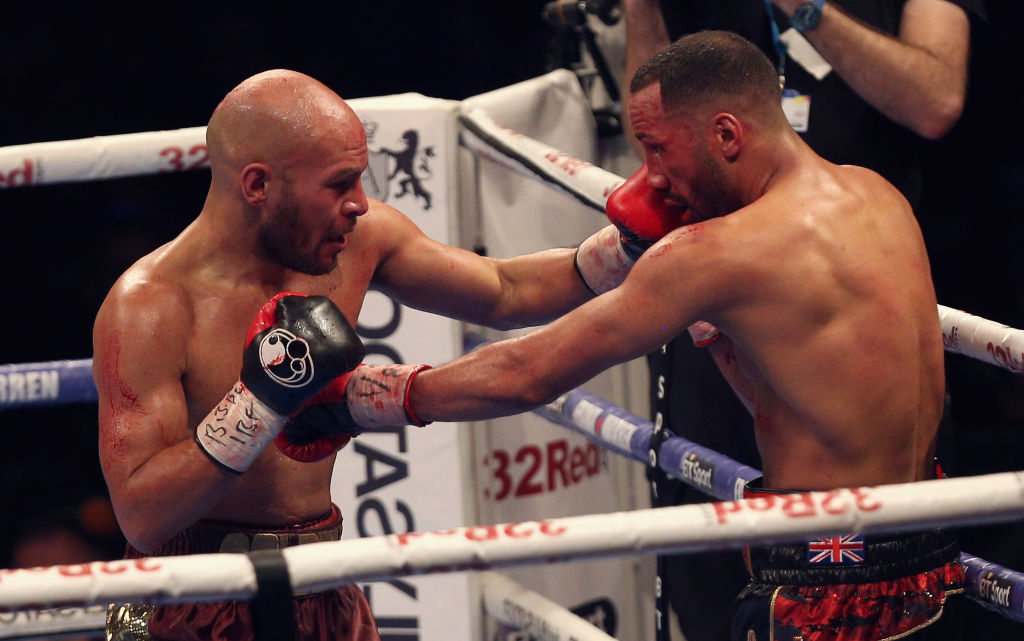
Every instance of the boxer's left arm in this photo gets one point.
(523, 291)
(500, 293)
(674, 284)
(652, 306)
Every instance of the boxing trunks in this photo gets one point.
(852, 588)
(340, 614)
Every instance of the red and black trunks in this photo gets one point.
(852, 588)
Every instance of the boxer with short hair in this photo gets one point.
(198, 457)
(810, 284)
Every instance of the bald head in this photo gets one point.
(275, 117)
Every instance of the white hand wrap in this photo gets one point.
(238, 429)
(602, 261)
(703, 333)
(378, 395)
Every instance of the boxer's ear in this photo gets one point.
(727, 135)
(253, 180)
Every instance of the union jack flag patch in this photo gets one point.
(837, 550)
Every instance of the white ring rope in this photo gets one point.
(37, 623)
(104, 157)
(536, 615)
(505, 600)
(690, 528)
(979, 338)
(531, 158)
(987, 498)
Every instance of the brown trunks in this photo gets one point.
(341, 614)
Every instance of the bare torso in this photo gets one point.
(168, 345)
(276, 489)
(837, 346)
(202, 316)
(822, 289)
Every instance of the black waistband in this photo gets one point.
(885, 557)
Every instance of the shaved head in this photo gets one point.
(275, 117)
(714, 71)
(286, 159)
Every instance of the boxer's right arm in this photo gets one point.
(146, 447)
(148, 450)
(296, 345)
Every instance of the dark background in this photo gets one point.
(75, 71)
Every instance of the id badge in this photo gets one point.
(797, 107)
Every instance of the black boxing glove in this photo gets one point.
(295, 346)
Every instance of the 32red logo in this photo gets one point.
(535, 469)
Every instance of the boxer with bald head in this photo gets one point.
(193, 390)
(810, 283)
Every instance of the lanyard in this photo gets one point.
(780, 48)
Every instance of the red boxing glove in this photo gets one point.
(317, 430)
(641, 216)
(309, 452)
(368, 397)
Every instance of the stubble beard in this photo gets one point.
(283, 240)
(717, 194)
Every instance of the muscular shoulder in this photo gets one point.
(384, 226)
(865, 190)
(385, 232)
(146, 305)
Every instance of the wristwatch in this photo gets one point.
(807, 16)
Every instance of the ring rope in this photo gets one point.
(155, 152)
(70, 381)
(580, 179)
(38, 623)
(992, 585)
(505, 600)
(113, 156)
(105, 157)
(539, 617)
(983, 339)
(764, 519)
(47, 383)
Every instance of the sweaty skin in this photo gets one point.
(285, 211)
(815, 273)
